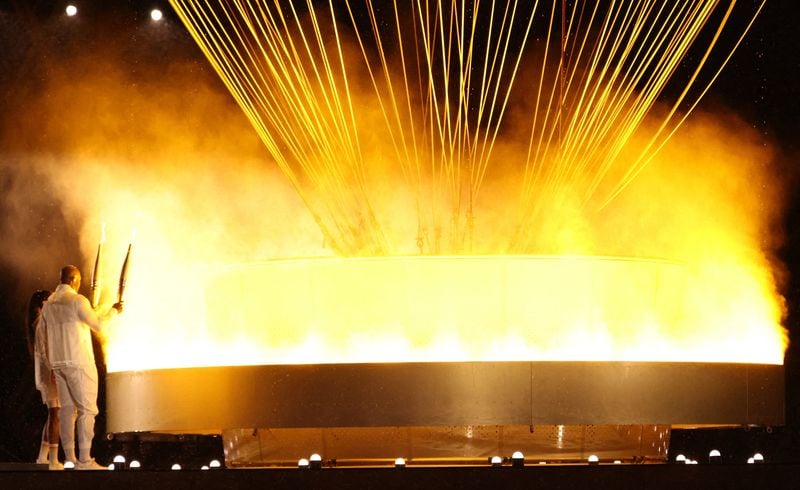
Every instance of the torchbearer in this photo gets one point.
(67, 319)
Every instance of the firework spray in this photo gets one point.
(94, 298)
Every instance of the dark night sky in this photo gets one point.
(760, 85)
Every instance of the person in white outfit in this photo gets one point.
(45, 381)
(68, 319)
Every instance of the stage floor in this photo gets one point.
(618, 477)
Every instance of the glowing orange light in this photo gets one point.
(378, 175)
(492, 308)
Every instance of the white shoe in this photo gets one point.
(55, 465)
(89, 465)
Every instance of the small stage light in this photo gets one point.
(204, 467)
(135, 465)
(399, 463)
(119, 462)
(215, 464)
(156, 15)
(617, 461)
(758, 458)
(111, 467)
(714, 456)
(517, 459)
(680, 459)
(315, 461)
(750, 460)
(72, 10)
(69, 465)
(542, 462)
(496, 461)
(302, 463)
(176, 466)
(593, 459)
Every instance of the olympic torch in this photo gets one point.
(123, 275)
(94, 298)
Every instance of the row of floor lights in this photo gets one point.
(156, 15)
(517, 461)
(716, 457)
(214, 464)
(315, 461)
(120, 464)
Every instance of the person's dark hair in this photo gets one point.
(34, 310)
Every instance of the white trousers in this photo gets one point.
(77, 392)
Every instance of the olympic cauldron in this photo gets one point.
(450, 360)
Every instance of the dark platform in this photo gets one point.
(551, 477)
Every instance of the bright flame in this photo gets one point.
(492, 308)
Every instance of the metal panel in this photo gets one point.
(444, 394)
(765, 395)
(637, 393)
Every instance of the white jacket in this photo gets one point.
(68, 318)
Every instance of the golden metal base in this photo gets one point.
(440, 411)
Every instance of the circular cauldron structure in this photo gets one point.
(430, 411)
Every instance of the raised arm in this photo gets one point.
(88, 315)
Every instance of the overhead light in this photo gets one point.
(156, 15)
(71, 10)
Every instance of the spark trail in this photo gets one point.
(444, 76)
